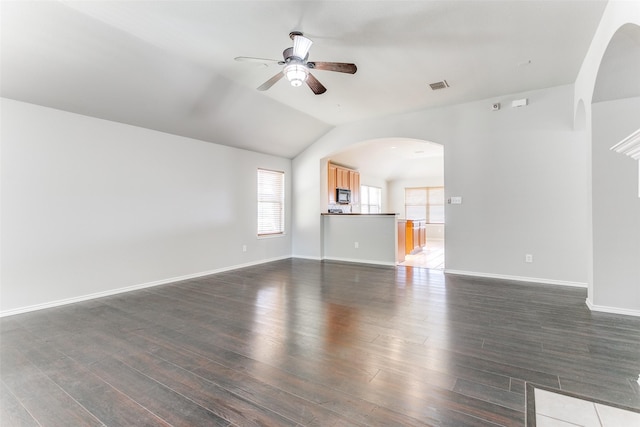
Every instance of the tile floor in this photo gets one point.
(559, 410)
(431, 256)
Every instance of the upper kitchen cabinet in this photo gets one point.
(331, 183)
(354, 186)
(341, 177)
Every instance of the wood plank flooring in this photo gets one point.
(307, 343)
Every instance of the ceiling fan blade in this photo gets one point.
(317, 87)
(260, 60)
(273, 80)
(341, 67)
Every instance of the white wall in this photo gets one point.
(521, 173)
(91, 207)
(616, 208)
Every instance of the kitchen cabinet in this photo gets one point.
(422, 234)
(354, 186)
(401, 250)
(331, 182)
(415, 235)
(341, 177)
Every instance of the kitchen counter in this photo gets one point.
(364, 214)
(356, 237)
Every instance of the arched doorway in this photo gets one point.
(387, 168)
(615, 206)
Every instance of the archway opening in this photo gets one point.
(615, 206)
(388, 168)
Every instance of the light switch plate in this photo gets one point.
(456, 200)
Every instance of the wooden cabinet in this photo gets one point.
(341, 177)
(401, 250)
(354, 186)
(332, 173)
(415, 236)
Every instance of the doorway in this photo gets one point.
(392, 165)
(431, 256)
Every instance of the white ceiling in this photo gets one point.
(169, 65)
(393, 158)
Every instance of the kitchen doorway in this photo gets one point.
(431, 256)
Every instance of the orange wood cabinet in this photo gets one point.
(332, 173)
(415, 236)
(401, 250)
(341, 177)
(354, 186)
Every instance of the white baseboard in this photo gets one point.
(612, 310)
(110, 292)
(313, 258)
(360, 261)
(518, 278)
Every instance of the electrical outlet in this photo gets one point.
(356, 245)
(528, 258)
(244, 248)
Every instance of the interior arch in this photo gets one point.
(619, 68)
(392, 164)
(615, 206)
(580, 117)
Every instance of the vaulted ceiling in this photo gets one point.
(169, 65)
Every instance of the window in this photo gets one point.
(370, 199)
(425, 203)
(270, 202)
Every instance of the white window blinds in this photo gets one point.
(425, 203)
(270, 202)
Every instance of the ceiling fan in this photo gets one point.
(297, 65)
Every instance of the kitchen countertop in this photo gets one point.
(354, 214)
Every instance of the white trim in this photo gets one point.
(313, 258)
(360, 261)
(629, 146)
(73, 300)
(518, 278)
(612, 310)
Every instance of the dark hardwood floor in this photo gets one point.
(306, 343)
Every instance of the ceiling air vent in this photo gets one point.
(439, 85)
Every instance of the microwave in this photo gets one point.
(343, 196)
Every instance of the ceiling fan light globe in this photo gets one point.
(296, 74)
